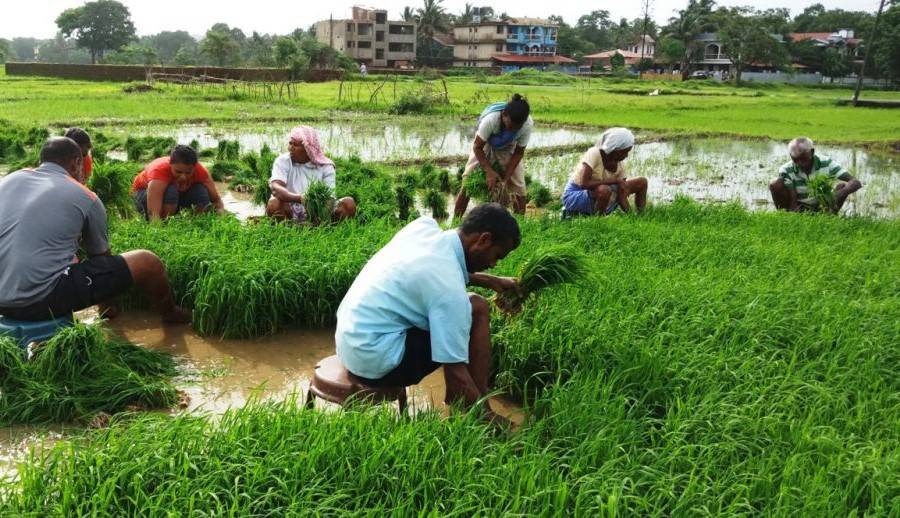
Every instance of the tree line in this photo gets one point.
(102, 31)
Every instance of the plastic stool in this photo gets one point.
(26, 332)
(333, 382)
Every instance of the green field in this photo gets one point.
(780, 112)
(713, 361)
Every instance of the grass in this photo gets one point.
(79, 372)
(703, 368)
(778, 112)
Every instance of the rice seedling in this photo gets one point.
(539, 194)
(680, 366)
(111, 182)
(405, 201)
(228, 150)
(236, 170)
(79, 372)
(544, 268)
(476, 186)
(147, 148)
(436, 201)
(821, 187)
(318, 203)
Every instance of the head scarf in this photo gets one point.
(615, 139)
(308, 136)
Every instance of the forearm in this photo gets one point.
(514, 162)
(483, 280)
(460, 384)
(483, 161)
(284, 195)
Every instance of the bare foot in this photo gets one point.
(179, 315)
(109, 310)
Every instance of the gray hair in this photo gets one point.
(800, 146)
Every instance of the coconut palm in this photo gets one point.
(432, 19)
(685, 28)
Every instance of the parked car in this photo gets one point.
(699, 74)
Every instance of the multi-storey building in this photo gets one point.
(477, 44)
(370, 38)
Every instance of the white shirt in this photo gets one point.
(297, 177)
(492, 124)
(417, 280)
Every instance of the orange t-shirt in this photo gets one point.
(161, 169)
(87, 166)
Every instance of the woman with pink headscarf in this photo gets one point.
(294, 171)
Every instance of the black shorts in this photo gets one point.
(415, 364)
(80, 286)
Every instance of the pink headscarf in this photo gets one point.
(308, 136)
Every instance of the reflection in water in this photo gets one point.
(395, 141)
(718, 170)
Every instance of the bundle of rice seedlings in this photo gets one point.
(476, 186)
(228, 150)
(82, 371)
(437, 202)
(428, 176)
(405, 201)
(445, 182)
(111, 182)
(546, 267)
(539, 194)
(317, 201)
(821, 187)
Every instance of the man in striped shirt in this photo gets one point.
(790, 191)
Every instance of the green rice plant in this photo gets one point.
(405, 200)
(222, 170)
(539, 194)
(370, 186)
(821, 187)
(318, 201)
(228, 150)
(146, 148)
(476, 186)
(428, 176)
(546, 267)
(111, 182)
(79, 372)
(436, 201)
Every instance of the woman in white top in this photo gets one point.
(504, 130)
(294, 171)
(598, 184)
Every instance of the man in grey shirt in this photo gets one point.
(45, 214)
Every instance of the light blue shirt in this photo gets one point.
(417, 280)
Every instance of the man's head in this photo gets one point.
(802, 151)
(81, 138)
(183, 161)
(488, 234)
(516, 112)
(65, 153)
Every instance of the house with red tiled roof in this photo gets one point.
(842, 40)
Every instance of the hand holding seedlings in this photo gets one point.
(547, 267)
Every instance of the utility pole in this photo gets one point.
(646, 5)
(869, 47)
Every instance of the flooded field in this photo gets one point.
(719, 170)
(374, 142)
(223, 374)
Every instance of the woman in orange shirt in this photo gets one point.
(175, 182)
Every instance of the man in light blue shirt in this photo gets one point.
(408, 312)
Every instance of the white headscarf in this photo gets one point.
(614, 139)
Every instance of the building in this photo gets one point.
(602, 59)
(644, 46)
(712, 56)
(370, 38)
(843, 40)
(476, 44)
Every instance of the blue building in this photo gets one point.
(511, 44)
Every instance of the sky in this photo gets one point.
(36, 19)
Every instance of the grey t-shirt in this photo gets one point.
(44, 213)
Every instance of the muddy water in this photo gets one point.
(431, 137)
(223, 374)
(719, 170)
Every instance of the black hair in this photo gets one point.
(183, 155)
(60, 150)
(80, 137)
(493, 218)
(518, 110)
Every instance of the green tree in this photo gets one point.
(220, 47)
(24, 49)
(670, 51)
(748, 38)
(258, 50)
(134, 54)
(834, 64)
(594, 29)
(690, 22)
(568, 40)
(887, 51)
(62, 50)
(168, 43)
(816, 18)
(431, 19)
(4, 50)
(98, 26)
(186, 56)
(617, 63)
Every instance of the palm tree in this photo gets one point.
(432, 19)
(685, 28)
(409, 14)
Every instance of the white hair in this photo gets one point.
(800, 146)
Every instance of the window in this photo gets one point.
(351, 44)
(499, 47)
(349, 27)
(380, 18)
(364, 29)
(379, 35)
(400, 47)
(500, 29)
(364, 45)
(379, 53)
(401, 29)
